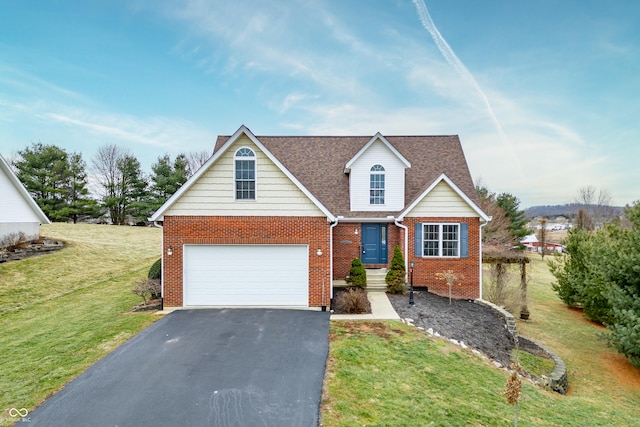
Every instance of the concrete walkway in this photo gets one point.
(381, 309)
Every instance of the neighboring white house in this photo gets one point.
(19, 213)
(531, 244)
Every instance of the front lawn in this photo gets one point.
(61, 312)
(389, 374)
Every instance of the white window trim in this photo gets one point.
(440, 241)
(255, 171)
(382, 172)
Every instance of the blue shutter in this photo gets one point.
(418, 240)
(464, 240)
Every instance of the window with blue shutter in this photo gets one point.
(441, 240)
(464, 240)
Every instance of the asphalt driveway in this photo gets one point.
(225, 367)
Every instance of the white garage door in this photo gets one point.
(245, 275)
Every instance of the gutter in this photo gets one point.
(480, 257)
(333, 225)
(155, 224)
(351, 219)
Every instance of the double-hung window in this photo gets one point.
(445, 240)
(245, 173)
(376, 185)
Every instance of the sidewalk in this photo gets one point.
(381, 309)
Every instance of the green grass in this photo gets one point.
(389, 374)
(533, 364)
(62, 312)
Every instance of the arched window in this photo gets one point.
(245, 172)
(376, 185)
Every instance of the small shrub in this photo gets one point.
(147, 289)
(155, 272)
(450, 277)
(357, 274)
(395, 277)
(353, 301)
(501, 289)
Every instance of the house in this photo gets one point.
(532, 244)
(273, 220)
(19, 213)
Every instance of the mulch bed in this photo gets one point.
(477, 326)
(339, 302)
(154, 304)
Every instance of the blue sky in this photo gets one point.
(544, 94)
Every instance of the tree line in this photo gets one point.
(115, 186)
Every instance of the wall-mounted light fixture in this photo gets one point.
(319, 252)
(356, 232)
(170, 251)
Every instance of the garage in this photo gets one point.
(246, 275)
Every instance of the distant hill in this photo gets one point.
(569, 210)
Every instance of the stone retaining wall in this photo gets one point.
(558, 381)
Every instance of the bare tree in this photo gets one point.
(542, 236)
(123, 187)
(195, 160)
(596, 202)
(583, 221)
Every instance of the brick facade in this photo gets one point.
(314, 232)
(426, 268)
(249, 230)
(347, 246)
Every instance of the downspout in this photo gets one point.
(155, 224)
(333, 225)
(480, 246)
(406, 245)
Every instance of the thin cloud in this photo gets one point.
(453, 60)
(157, 132)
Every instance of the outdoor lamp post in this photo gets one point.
(411, 264)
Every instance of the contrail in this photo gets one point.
(453, 60)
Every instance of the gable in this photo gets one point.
(442, 201)
(16, 205)
(213, 193)
(377, 153)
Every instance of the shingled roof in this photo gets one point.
(318, 163)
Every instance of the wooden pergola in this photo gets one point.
(499, 257)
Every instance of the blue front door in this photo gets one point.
(374, 243)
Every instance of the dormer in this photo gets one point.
(376, 177)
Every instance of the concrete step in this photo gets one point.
(376, 279)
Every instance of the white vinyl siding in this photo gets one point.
(360, 180)
(246, 275)
(442, 201)
(13, 207)
(214, 193)
(16, 214)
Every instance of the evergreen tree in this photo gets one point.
(56, 181)
(619, 264)
(78, 201)
(357, 274)
(167, 178)
(395, 277)
(517, 218)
